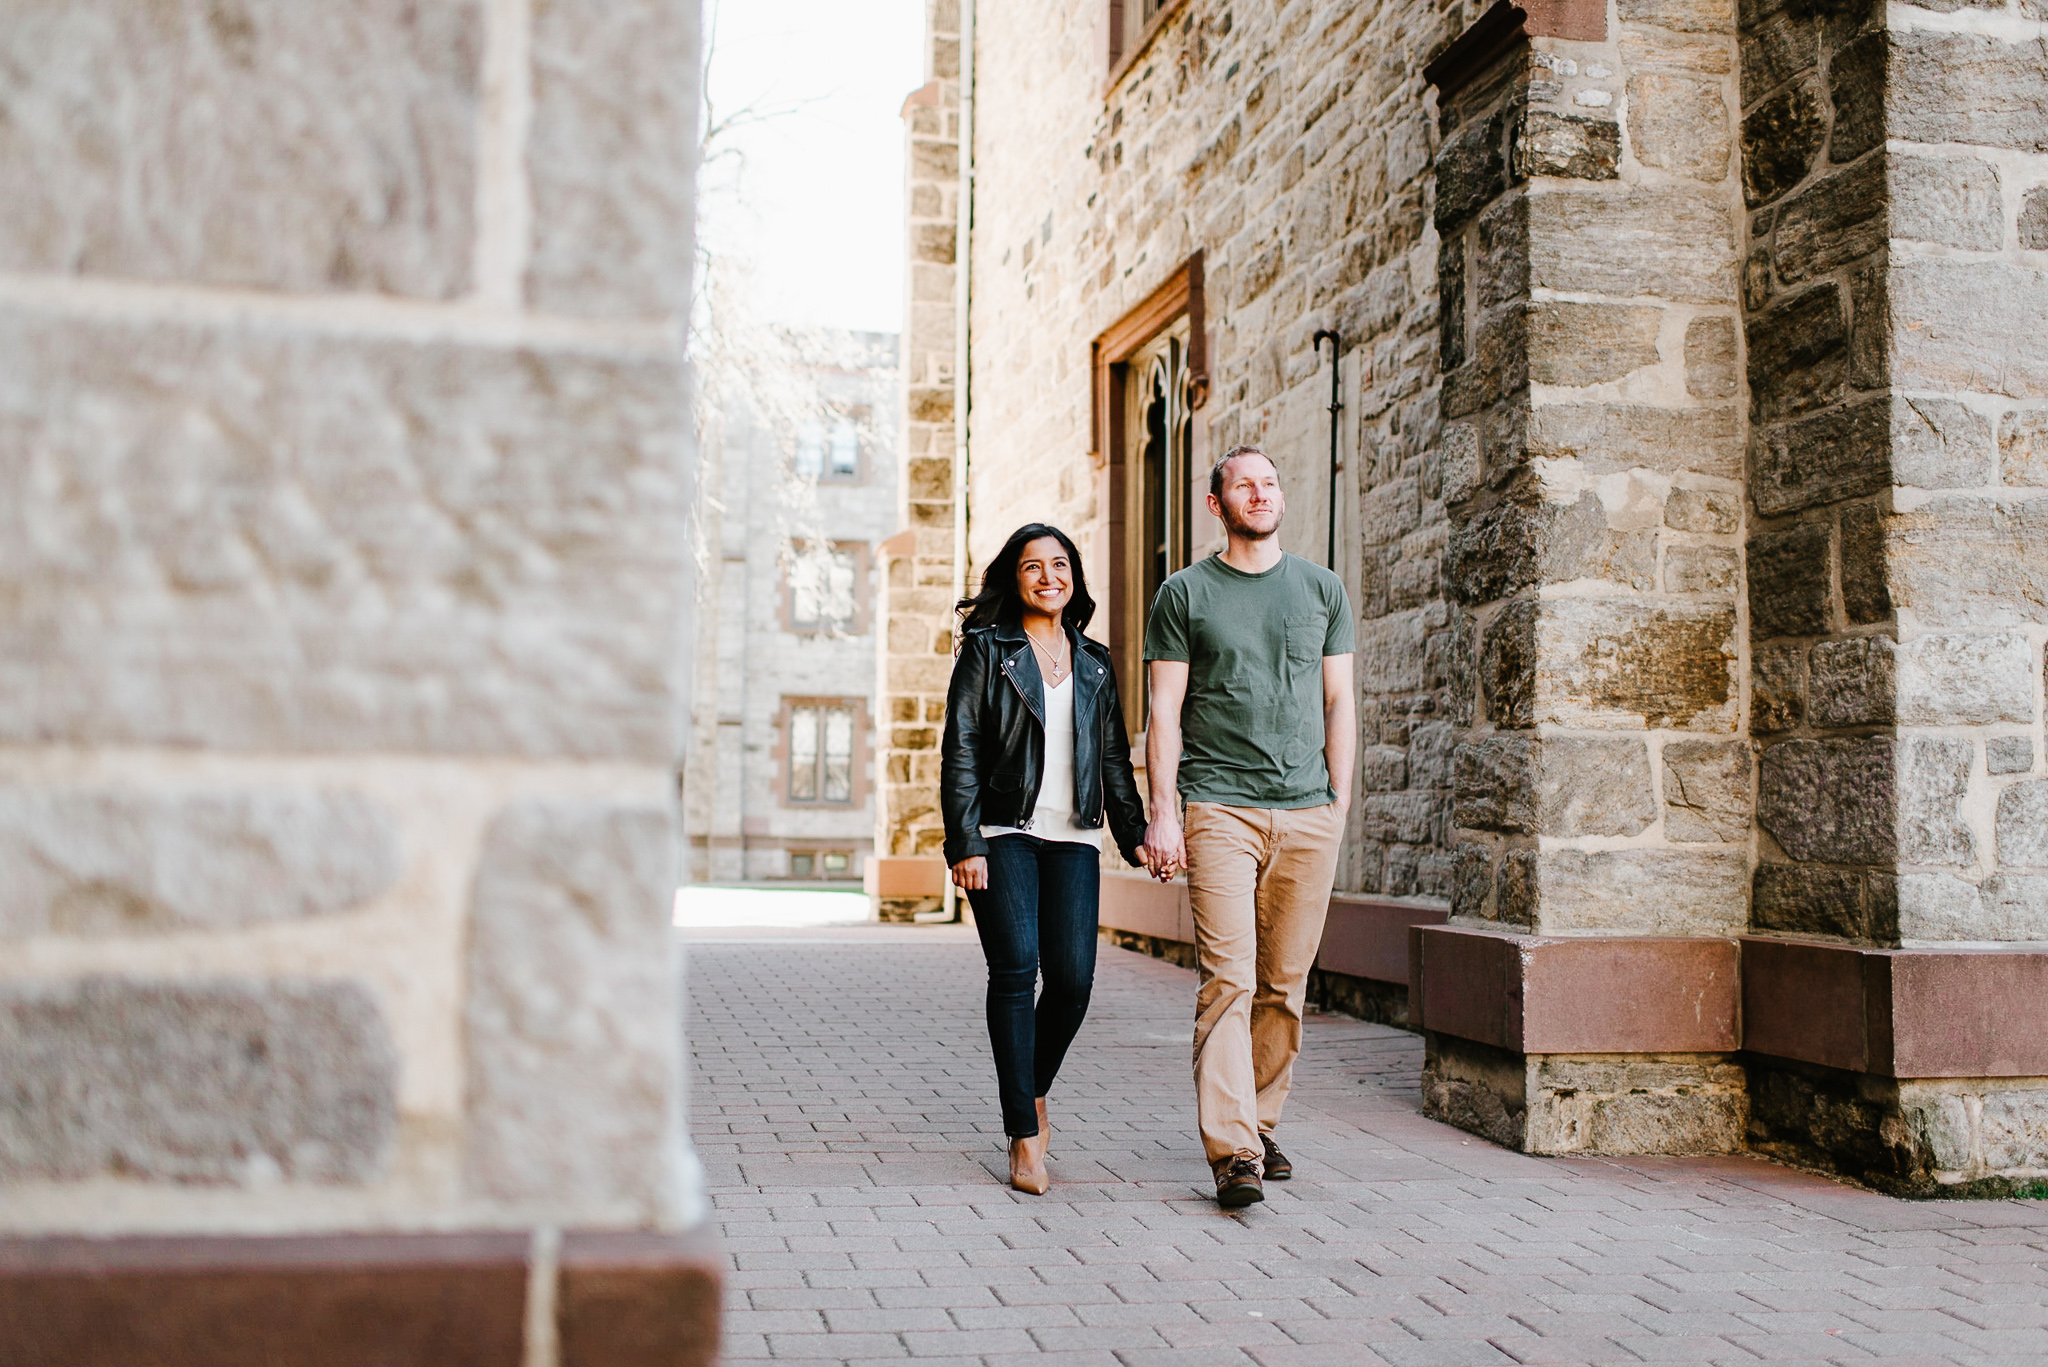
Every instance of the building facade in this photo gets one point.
(780, 783)
(1662, 377)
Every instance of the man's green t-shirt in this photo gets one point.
(1252, 724)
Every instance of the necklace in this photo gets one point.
(1056, 665)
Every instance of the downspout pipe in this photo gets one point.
(1336, 405)
(963, 284)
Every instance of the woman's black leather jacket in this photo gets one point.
(994, 750)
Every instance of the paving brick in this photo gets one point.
(866, 1219)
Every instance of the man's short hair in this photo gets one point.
(1216, 470)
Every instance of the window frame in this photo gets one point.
(1121, 56)
(1111, 353)
(783, 754)
(861, 553)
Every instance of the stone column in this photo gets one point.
(343, 454)
(907, 874)
(1894, 293)
(1587, 200)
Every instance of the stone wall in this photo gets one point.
(343, 443)
(1894, 162)
(1290, 144)
(917, 569)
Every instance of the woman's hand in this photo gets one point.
(971, 874)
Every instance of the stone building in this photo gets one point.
(344, 611)
(1684, 461)
(781, 776)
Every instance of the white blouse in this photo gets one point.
(1053, 817)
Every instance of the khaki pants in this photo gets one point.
(1259, 886)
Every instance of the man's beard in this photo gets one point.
(1237, 528)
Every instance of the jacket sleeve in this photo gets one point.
(959, 754)
(1119, 784)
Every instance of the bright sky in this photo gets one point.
(817, 201)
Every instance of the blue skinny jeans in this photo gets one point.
(1036, 917)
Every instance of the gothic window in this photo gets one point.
(821, 752)
(824, 587)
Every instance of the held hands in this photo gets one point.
(971, 873)
(1165, 851)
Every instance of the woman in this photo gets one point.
(1035, 755)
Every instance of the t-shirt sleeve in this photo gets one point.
(1166, 630)
(1341, 636)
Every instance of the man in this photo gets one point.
(1254, 724)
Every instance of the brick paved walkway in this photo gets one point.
(845, 1110)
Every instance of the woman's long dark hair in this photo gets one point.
(999, 603)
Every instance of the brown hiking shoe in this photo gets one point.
(1278, 1169)
(1237, 1183)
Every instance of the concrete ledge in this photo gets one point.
(1576, 995)
(454, 1300)
(921, 875)
(1364, 937)
(1897, 1013)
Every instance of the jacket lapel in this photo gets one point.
(1020, 667)
(1087, 679)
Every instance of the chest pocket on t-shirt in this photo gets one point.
(1305, 638)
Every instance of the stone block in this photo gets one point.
(270, 146)
(1611, 438)
(1957, 679)
(1862, 96)
(1500, 260)
(1801, 900)
(1834, 454)
(1507, 665)
(1968, 563)
(1573, 146)
(1788, 582)
(1852, 683)
(1781, 140)
(103, 861)
(1661, 892)
(1831, 801)
(1679, 124)
(1634, 663)
(2033, 220)
(2023, 447)
(1494, 554)
(1582, 344)
(1390, 653)
(1593, 787)
(2015, 907)
(1496, 784)
(2013, 1126)
(1703, 510)
(1382, 769)
(1701, 569)
(2009, 754)
(219, 1082)
(1939, 906)
(1453, 328)
(1955, 87)
(1777, 688)
(1798, 354)
(1951, 200)
(1706, 791)
(1409, 818)
(1975, 326)
(573, 1020)
(611, 157)
(1471, 171)
(275, 541)
(2023, 825)
(1430, 747)
(1604, 1104)
(1865, 594)
(1668, 241)
(1934, 777)
(1710, 368)
(1939, 444)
